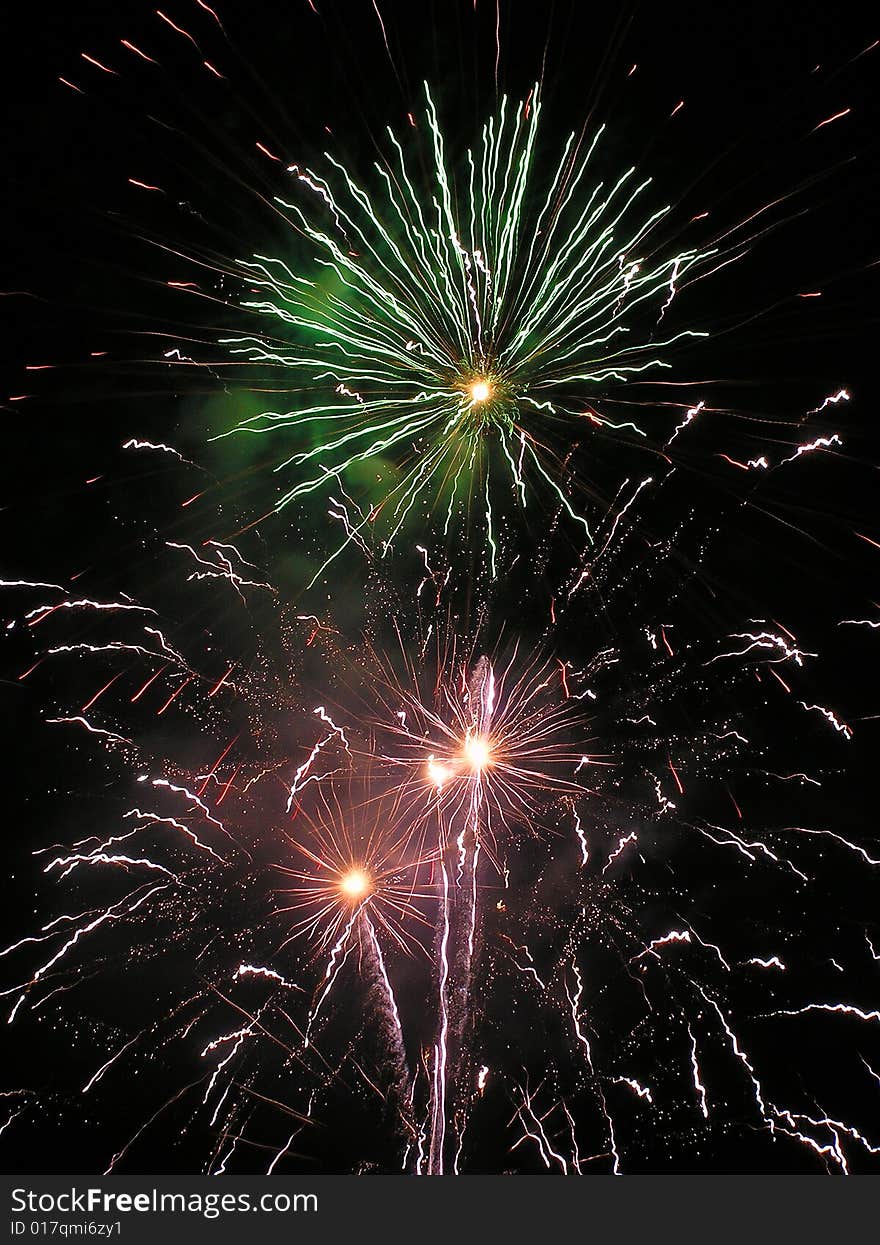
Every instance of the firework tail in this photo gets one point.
(459, 857)
(400, 1080)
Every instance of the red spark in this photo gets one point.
(674, 773)
(216, 688)
(225, 792)
(50, 609)
(151, 679)
(174, 695)
(179, 29)
(92, 61)
(247, 527)
(213, 768)
(868, 539)
(131, 47)
(780, 679)
(828, 120)
(778, 624)
(208, 9)
(563, 680)
(89, 703)
(316, 629)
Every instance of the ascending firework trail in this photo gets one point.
(458, 927)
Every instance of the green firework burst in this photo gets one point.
(458, 331)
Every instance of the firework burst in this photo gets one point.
(503, 908)
(460, 326)
(361, 873)
(502, 733)
(363, 823)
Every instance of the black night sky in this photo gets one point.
(137, 185)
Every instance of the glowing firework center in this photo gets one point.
(355, 885)
(480, 391)
(473, 760)
(477, 753)
(487, 400)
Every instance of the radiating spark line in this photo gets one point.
(93, 730)
(642, 1091)
(114, 913)
(837, 115)
(845, 1009)
(93, 1080)
(155, 819)
(625, 840)
(842, 395)
(688, 419)
(695, 1071)
(830, 716)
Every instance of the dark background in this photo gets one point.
(84, 273)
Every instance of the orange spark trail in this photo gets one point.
(780, 678)
(676, 777)
(179, 30)
(174, 695)
(151, 679)
(92, 61)
(225, 792)
(89, 703)
(208, 9)
(828, 120)
(216, 688)
(132, 48)
(213, 769)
